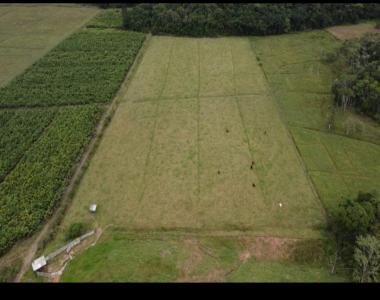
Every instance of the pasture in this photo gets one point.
(27, 32)
(197, 144)
(341, 160)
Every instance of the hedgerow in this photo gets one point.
(29, 193)
(88, 67)
(196, 19)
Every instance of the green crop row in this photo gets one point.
(29, 193)
(86, 68)
(18, 133)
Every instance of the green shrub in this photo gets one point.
(75, 230)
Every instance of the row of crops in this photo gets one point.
(41, 140)
(88, 67)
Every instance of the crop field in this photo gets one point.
(339, 164)
(39, 146)
(27, 32)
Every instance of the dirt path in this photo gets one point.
(79, 168)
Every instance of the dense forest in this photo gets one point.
(358, 84)
(195, 19)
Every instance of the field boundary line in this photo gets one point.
(79, 169)
(198, 123)
(337, 133)
(244, 127)
(290, 136)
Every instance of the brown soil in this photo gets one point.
(267, 247)
(352, 31)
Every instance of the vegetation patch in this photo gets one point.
(109, 18)
(197, 19)
(87, 67)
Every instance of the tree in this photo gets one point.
(367, 259)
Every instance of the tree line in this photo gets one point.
(357, 62)
(196, 19)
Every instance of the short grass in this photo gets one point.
(28, 32)
(340, 161)
(217, 158)
(156, 257)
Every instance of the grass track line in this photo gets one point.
(242, 123)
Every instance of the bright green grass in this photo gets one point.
(158, 257)
(274, 271)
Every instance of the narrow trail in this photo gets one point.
(81, 166)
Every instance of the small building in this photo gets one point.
(92, 208)
(39, 263)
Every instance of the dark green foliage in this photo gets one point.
(196, 19)
(354, 218)
(29, 193)
(358, 216)
(18, 133)
(75, 230)
(88, 67)
(358, 85)
(377, 24)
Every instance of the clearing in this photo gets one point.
(346, 32)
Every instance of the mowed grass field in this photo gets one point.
(342, 160)
(198, 144)
(27, 32)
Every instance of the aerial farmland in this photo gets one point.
(202, 157)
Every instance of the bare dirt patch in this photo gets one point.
(267, 248)
(352, 31)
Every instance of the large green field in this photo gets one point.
(222, 161)
(197, 152)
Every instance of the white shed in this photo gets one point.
(39, 263)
